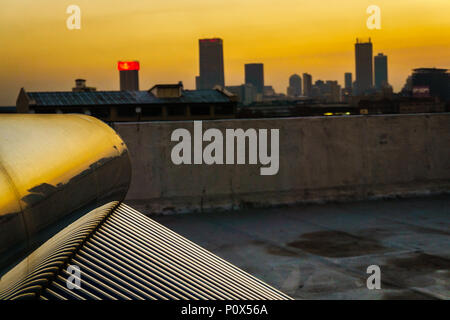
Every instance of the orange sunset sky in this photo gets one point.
(39, 53)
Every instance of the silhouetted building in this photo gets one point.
(254, 75)
(197, 82)
(326, 91)
(347, 92)
(162, 102)
(381, 71)
(307, 85)
(407, 87)
(364, 66)
(437, 81)
(318, 89)
(211, 64)
(348, 80)
(295, 86)
(80, 86)
(246, 93)
(269, 91)
(129, 75)
(400, 105)
(332, 92)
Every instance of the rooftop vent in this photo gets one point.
(168, 90)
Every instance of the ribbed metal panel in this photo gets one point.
(32, 275)
(130, 256)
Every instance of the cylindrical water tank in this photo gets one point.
(54, 169)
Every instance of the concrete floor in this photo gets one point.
(323, 251)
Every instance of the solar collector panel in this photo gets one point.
(126, 255)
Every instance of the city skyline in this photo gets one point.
(293, 37)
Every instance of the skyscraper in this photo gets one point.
(347, 92)
(129, 75)
(211, 64)
(381, 71)
(307, 85)
(348, 80)
(254, 75)
(295, 86)
(364, 66)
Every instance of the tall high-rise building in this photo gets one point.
(347, 92)
(211, 64)
(307, 85)
(295, 86)
(348, 80)
(364, 66)
(381, 71)
(254, 75)
(129, 75)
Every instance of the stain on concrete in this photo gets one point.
(405, 295)
(422, 262)
(419, 270)
(276, 250)
(279, 251)
(430, 231)
(382, 234)
(376, 233)
(337, 244)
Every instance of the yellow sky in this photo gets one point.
(38, 52)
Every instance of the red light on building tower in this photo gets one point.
(128, 65)
(129, 75)
(211, 40)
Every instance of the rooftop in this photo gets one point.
(64, 98)
(428, 70)
(323, 251)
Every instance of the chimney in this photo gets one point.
(80, 83)
(80, 86)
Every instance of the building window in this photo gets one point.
(152, 111)
(72, 110)
(175, 110)
(45, 110)
(126, 112)
(223, 110)
(101, 113)
(200, 111)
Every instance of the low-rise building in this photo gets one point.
(400, 105)
(162, 102)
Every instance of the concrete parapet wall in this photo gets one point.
(321, 159)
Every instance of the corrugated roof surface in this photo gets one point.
(122, 254)
(70, 98)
